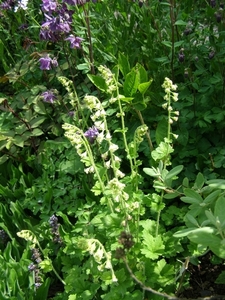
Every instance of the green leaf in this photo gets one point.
(46, 265)
(142, 72)
(127, 99)
(37, 132)
(217, 183)
(167, 44)
(175, 171)
(212, 197)
(124, 65)
(211, 217)
(199, 181)
(178, 44)
(162, 151)
(131, 83)
(42, 292)
(192, 220)
(204, 236)
(143, 87)
(183, 232)
(151, 172)
(98, 81)
(83, 67)
(221, 278)
(37, 121)
(19, 140)
(219, 209)
(191, 197)
(152, 246)
(180, 23)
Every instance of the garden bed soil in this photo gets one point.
(202, 280)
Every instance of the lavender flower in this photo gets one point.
(71, 113)
(7, 5)
(46, 63)
(48, 6)
(91, 134)
(74, 41)
(53, 221)
(32, 267)
(36, 255)
(48, 96)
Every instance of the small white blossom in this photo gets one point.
(113, 147)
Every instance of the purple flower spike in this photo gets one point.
(46, 63)
(48, 96)
(74, 41)
(91, 134)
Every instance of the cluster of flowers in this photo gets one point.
(14, 5)
(53, 221)
(33, 267)
(57, 23)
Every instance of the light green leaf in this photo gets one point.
(98, 81)
(180, 23)
(192, 220)
(183, 232)
(28, 236)
(143, 87)
(212, 197)
(124, 65)
(199, 181)
(219, 209)
(46, 265)
(204, 236)
(175, 171)
(37, 132)
(167, 44)
(152, 246)
(217, 183)
(211, 217)
(37, 121)
(151, 172)
(142, 72)
(162, 151)
(131, 83)
(191, 197)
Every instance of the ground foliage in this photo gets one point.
(111, 149)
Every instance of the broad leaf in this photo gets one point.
(143, 87)
(219, 209)
(131, 83)
(124, 65)
(153, 246)
(175, 171)
(217, 183)
(98, 81)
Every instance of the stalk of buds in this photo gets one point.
(33, 267)
(127, 242)
(53, 221)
